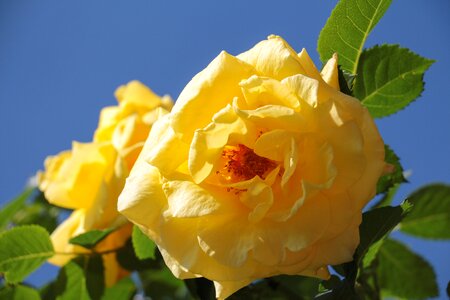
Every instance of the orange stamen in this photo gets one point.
(241, 163)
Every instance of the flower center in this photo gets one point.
(241, 163)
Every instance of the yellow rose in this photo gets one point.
(90, 177)
(262, 168)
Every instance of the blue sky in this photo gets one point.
(60, 62)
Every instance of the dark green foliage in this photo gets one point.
(395, 177)
(430, 215)
(143, 246)
(405, 274)
(91, 238)
(23, 249)
(389, 78)
(347, 29)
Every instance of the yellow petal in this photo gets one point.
(136, 101)
(207, 143)
(295, 262)
(71, 227)
(337, 250)
(187, 200)
(269, 249)
(274, 144)
(273, 58)
(313, 217)
(113, 271)
(319, 272)
(201, 98)
(308, 65)
(330, 72)
(232, 245)
(128, 132)
(138, 95)
(260, 91)
(186, 259)
(280, 145)
(316, 161)
(304, 87)
(166, 150)
(142, 198)
(257, 196)
(273, 117)
(72, 179)
(109, 117)
(227, 288)
(177, 236)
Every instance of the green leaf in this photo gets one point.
(19, 292)
(430, 215)
(201, 288)
(23, 249)
(281, 287)
(299, 287)
(389, 78)
(94, 273)
(52, 289)
(91, 238)
(448, 289)
(73, 279)
(347, 29)
(371, 253)
(329, 284)
(396, 177)
(161, 284)
(143, 246)
(346, 81)
(264, 289)
(336, 289)
(10, 209)
(82, 278)
(376, 224)
(123, 290)
(127, 258)
(403, 273)
(38, 212)
(387, 197)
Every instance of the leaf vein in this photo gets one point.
(360, 10)
(25, 257)
(358, 54)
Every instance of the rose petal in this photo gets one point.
(166, 150)
(273, 117)
(337, 250)
(306, 88)
(308, 65)
(330, 72)
(190, 111)
(142, 199)
(72, 179)
(232, 245)
(308, 224)
(316, 162)
(260, 91)
(60, 237)
(135, 94)
(226, 288)
(188, 200)
(207, 143)
(273, 58)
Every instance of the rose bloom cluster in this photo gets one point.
(262, 168)
(89, 178)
